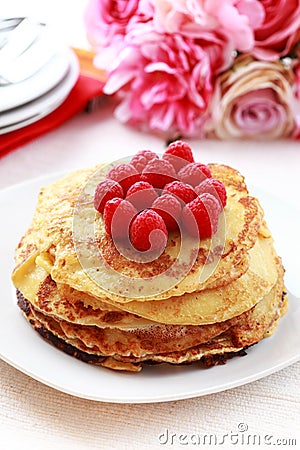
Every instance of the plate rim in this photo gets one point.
(161, 399)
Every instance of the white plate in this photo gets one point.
(46, 78)
(24, 349)
(44, 105)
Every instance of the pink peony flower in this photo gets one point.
(297, 80)
(105, 19)
(164, 82)
(296, 135)
(168, 63)
(219, 49)
(254, 100)
(235, 19)
(279, 31)
(297, 99)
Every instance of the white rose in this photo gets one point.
(253, 100)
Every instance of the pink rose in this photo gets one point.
(235, 19)
(279, 31)
(105, 19)
(254, 100)
(163, 81)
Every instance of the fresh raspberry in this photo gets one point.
(179, 154)
(214, 187)
(141, 159)
(200, 217)
(118, 215)
(184, 192)
(106, 190)
(148, 231)
(169, 208)
(158, 172)
(124, 174)
(194, 173)
(141, 195)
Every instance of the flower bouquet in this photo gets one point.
(201, 68)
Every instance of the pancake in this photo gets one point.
(226, 342)
(41, 291)
(65, 214)
(201, 300)
(133, 342)
(183, 267)
(198, 308)
(210, 305)
(84, 343)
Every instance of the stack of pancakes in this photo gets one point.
(87, 298)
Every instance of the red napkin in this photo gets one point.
(88, 86)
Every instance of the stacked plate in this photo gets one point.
(36, 72)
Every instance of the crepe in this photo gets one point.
(197, 308)
(211, 305)
(63, 230)
(200, 300)
(87, 344)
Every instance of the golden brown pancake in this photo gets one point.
(86, 344)
(211, 305)
(200, 300)
(54, 227)
(198, 308)
(134, 342)
(141, 342)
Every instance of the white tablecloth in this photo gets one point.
(34, 416)
(37, 417)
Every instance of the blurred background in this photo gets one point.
(66, 16)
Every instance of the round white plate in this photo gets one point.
(42, 106)
(24, 349)
(46, 78)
